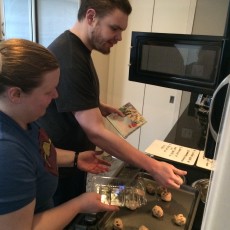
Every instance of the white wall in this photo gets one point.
(101, 63)
(156, 16)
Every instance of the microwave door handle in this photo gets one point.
(222, 84)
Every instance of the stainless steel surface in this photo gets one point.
(202, 185)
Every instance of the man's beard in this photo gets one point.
(100, 48)
(99, 44)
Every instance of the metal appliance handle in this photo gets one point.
(220, 86)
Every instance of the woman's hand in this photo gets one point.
(106, 110)
(91, 202)
(90, 162)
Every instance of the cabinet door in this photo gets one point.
(211, 17)
(175, 16)
(161, 106)
(161, 110)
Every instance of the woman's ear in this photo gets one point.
(14, 94)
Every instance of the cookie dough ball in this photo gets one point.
(157, 211)
(131, 204)
(142, 227)
(179, 219)
(166, 196)
(150, 188)
(117, 224)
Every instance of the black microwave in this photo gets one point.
(195, 63)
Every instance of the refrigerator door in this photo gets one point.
(217, 208)
(215, 116)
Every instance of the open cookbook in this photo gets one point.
(128, 124)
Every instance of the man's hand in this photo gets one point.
(106, 110)
(167, 175)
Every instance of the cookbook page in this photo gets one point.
(129, 123)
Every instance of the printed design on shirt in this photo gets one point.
(46, 148)
(48, 153)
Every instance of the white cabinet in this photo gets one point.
(210, 17)
(154, 102)
(175, 16)
(168, 17)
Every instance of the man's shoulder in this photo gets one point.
(59, 42)
(68, 46)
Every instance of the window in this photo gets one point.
(54, 17)
(17, 19)
(39, 20)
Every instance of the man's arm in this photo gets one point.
(92, 122)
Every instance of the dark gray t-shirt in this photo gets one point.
(78, 90)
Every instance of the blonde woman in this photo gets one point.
(29, 74)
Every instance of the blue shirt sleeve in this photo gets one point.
(18, 179)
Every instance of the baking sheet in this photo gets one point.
(185, 201)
